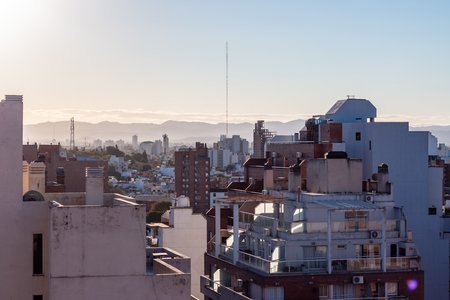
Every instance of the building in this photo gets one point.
(311, 230)
(185, 233)
(74, 245)
(350, 125)
(134, 142)
(228, 152)
(260, 136)
(166, 149)
(192, 176)
(60, 169)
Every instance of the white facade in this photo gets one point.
(56, 246)
(418, 186)
(187, 234)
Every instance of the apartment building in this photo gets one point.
(315, 230)
(85, 245)
(192, 169)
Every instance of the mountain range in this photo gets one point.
(179, 132)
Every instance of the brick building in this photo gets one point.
(192, 176)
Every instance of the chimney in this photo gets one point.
(37, 177)
(295, 178)
(94, 186)
(383, 185)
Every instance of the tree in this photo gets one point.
(114, 151)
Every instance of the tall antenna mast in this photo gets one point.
(226, 92)
(72, 134)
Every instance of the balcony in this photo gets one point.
(318, 265)
(356, 264)
(403, 263)
(216, 290)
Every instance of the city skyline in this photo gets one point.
(155, 61)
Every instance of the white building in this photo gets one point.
(418, 183)
(327, 240)
(134, 142)
(118, 163)
(74, 245)
(186, 233)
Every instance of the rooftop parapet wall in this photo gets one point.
(99, 240)
(11, 148)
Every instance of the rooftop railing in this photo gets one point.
(319, 264)
(217, 290)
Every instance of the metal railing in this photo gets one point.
(255, 261)
(221, 291)
(402, 263)
(257, 219)
(356, 264)
(319, 264)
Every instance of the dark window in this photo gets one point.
(37, 254)
(370, 145)
(358, 136)
(431, 210)
(38, 297)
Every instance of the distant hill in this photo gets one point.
(178, 131)
(441, 132)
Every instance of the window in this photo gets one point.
(38, 297)
(391, 289)
(356, 220)
(323, 291)
(37, 254)
(274, 293)
(367, 250)
(358, 136)
(431, 211)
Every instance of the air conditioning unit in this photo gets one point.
(369, 198)
(358, 279)
(374, 234)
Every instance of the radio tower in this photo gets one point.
(226, 89)
(72, 134)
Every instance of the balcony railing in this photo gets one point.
(257, 219)
(356, 264)
(216, 290)
(320, 265)
(402, 263)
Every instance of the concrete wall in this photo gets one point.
(140, 287)
(18, 219)
(406, 154)
(99, 241)
(334, 176)
(187, 236)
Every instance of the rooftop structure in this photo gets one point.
(313, 231)
(71, 245)
(350, 126)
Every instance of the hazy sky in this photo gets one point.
(149, 61)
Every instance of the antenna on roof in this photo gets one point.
(226, 88)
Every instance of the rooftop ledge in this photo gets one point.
(79, 200)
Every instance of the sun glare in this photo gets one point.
(17, 17)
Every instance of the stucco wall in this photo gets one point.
(140, 287)
(91, 241)
(187, 236)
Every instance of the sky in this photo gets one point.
(151, 61)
